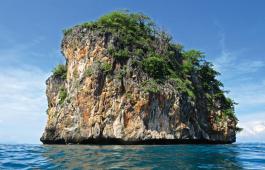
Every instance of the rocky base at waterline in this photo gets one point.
(125, 82)
(115, 141)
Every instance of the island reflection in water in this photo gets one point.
(144, 157)
(235, 156)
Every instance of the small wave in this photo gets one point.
(236, 156)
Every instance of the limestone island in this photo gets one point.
(126, 82)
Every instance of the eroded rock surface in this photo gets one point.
(110, 105)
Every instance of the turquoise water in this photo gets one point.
(235, 156)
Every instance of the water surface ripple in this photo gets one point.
(235, 156)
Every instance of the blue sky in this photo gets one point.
(230, 33)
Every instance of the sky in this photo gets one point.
(230, 33)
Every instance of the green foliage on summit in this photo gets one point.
(136, 37)
(155, 66)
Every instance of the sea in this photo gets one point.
(230, 156)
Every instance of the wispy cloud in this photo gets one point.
(31, 51)
(22, 90)
(249, 95)
(232, 63)
(240, 75)
(21, 85)
(22, 104)
(252, 128)
(253, 131)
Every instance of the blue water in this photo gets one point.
(235, 156)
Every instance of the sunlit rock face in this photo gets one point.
(106, 102)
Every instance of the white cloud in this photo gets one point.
(253, 125)
(253, 131)
(33, 51)
(240, 76)
(22, 104)
(18, 51)
(237, 73)
(249, 94)
(252, 128)
(23, 101)
(230, 62)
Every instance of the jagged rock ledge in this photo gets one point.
(125, 82)
(115, 141)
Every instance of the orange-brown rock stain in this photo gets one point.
(127, 117)
(82, 53)
(85, 118)
(97, 51)
(69, 53)
(140, 105)
(102, 103)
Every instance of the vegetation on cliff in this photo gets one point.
(152, 50)
(125, 80)
(60, 71)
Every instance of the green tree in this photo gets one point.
(191, 60)
(60, 71)
(155, 66)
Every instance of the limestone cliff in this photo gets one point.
(125, 82)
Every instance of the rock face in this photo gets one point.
(104, 101)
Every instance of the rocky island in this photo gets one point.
(126, 82)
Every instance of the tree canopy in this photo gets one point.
(137, 37)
